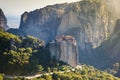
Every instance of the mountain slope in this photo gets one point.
(108, 54)
(86, 21)
(3, 21)
(91, 22)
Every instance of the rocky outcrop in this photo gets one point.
(3, 21)
(91, 22)
(87, 21)
(111, 46)
(108, 51)
(64, 48)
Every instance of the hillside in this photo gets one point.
(86, 73)
(90, 22)
(91, 25)
(29, 56)
(22, 55)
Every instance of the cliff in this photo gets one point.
(3, 21)
(109, 49)
(91, 22)
(87, 21)
(64, 48)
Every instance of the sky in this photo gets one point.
(13, 9)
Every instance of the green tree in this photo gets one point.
(39, 68)
(1, 76)
(48, 69)
(29, 50)
(47, 77)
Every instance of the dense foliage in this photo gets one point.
(1, 76)
(86, 73)
(20, 55)
(23, 55)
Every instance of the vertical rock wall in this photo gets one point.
(64, 48)
(3, 21)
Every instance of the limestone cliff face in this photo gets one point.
(3, 21)
(109, 51)
(41, 23)
(64, 48)
(91, 23)
(87, 21)
(111, 46)
(114, 43)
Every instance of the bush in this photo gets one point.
(47, 77)
(39, 68)
(1, 76)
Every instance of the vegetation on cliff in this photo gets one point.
(85, 73)
(89, 21)
(20, 55)
(23, 55)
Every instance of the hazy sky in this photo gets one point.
(14, 8)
